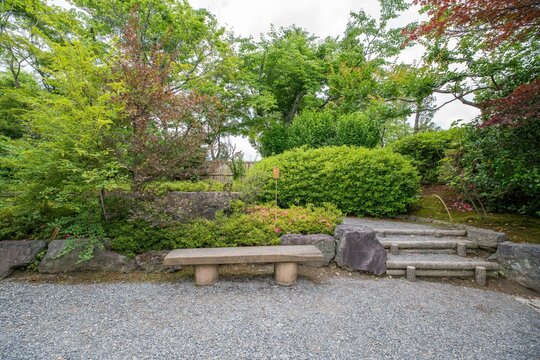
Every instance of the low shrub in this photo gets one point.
(357, 180)
(299, 220)
(426, 150)
(246, 226)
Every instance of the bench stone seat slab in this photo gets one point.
(244, 255)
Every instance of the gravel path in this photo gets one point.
(255, 319)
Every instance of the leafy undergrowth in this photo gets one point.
(244, 226)
(518, 228)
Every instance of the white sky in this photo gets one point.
(322, 18)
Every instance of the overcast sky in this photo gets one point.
(322, 18)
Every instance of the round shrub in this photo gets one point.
(313, 129)
(357, 129)
(357, 180)
(426, 150)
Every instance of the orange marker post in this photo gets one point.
(275, 174)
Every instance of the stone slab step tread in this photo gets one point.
(429, 243)
(435, 232)
(437, 262)
(399, 238)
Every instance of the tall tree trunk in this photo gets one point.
(417, 116)
(294, 107)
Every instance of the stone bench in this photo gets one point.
(206, 261)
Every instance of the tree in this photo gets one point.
(482, 49)
(500, 21)
(168, 129)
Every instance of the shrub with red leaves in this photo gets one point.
(519, 108)
(169, 127)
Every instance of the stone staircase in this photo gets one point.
(419, 250)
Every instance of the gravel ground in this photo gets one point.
(255, 319)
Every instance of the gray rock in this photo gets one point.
(520, 262)
(18, 253)
(175, 205)
(357, 248)
(325, 243)
(103, 260)
(152, 261)
(486, 239)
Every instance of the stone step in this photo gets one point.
(382, 232)
(424, 242)
(413, 265)
(437, 262)
(439, 273)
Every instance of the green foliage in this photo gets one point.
(313, 129)
(236, 230)
(237, 166)
(500, 166)
(426, 150)
(273, 140)
(299, 220)
(357, 129)
(251, 226)
(357, 180)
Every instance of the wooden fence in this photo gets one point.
(220, 171)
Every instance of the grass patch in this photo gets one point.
(518, 228)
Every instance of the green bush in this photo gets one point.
(498, 165)
(426, 150)
(357, 180)
(273, 140)
(356, 129)
(225, 231)
(312, 129)
(299, 220)
(251, 226)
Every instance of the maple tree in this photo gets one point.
(169, 128)
(501, 20)
(485, 49)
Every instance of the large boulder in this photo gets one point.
(152, 261)
(520, 262)
(484, 238)
(18, 253)
(325, 243)
(174, 205)
(55, 261)
(357, 248)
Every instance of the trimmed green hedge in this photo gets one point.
(426, 150)
(357, 180)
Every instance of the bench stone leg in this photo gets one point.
(206, 274)
(285, 273)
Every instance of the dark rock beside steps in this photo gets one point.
(357, 248)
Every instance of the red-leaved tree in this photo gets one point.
(494, 23)
(498, 20)
(169, 128)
